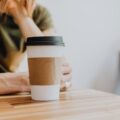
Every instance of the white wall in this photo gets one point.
(91, 29)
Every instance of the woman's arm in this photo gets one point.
(29, 29)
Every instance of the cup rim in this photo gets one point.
(45, 40)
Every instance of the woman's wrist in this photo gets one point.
(19, 19)
(28, 27)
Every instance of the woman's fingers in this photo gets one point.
(3, 6)
(33, 4)
(30, 6)
(23, 2)
(66, 82)
(25, 88)
(66, 69)
(66, 75)
(66, 79)
(12, 90)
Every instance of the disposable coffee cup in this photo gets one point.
(44, 61)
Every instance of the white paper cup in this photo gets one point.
(44, 61)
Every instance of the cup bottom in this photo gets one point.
(45, 92)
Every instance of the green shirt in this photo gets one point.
(11, 41)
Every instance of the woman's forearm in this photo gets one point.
(28, 27)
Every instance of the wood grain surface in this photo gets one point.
(73, 105)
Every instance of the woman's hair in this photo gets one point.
(26, 3)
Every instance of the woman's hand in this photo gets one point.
(21, 11)
(18, 8)
(30, 6)
(14, 83)
(67, 76)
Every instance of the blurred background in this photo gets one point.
(91, 30)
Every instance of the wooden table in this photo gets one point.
(73, 105)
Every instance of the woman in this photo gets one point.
(21, 19)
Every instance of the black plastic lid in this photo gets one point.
(46, 40)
